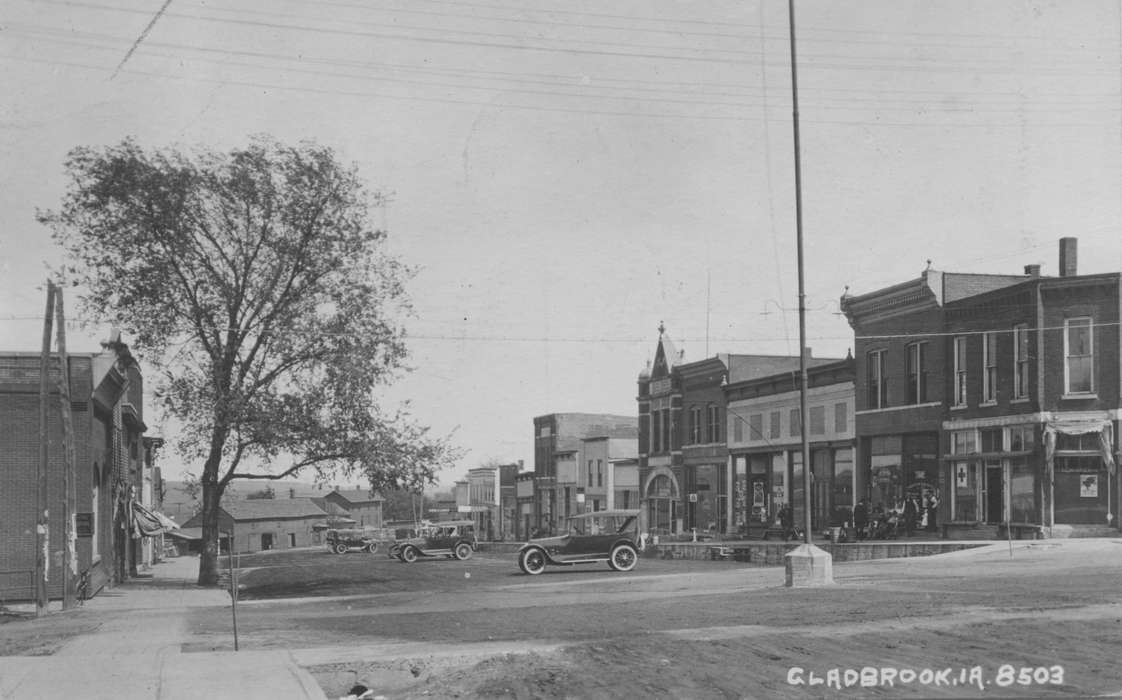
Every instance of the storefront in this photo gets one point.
(1078, 453)
(662, 501)
(706, 498)
(902, 466)
(766, 481)
(993, 476)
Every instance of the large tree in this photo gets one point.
(255, 283)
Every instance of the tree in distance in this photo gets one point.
(254, 283)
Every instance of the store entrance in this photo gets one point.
(995, 494)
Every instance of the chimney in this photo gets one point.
(1068, 257)
(1032, 270)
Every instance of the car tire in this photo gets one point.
(623, 558)
(340, 549)
(372, 547)
(462, 551)
(409, 554)
(532, 561)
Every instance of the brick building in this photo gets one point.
(557, 442)
(106, 392)
(1000, 394)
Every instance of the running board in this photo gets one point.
(601, 560)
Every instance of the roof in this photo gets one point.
(272, 508)
(358, 495)
(745, 367)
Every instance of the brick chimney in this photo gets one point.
(1068, 256)
(1032, 270)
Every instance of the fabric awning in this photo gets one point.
(150, 522)
(1102, 426)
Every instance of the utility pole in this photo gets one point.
(808, 565)
(42, 508)
(69, 551)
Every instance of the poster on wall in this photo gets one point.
(1088, 486)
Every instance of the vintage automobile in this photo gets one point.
(452, 538)
(343, 540)
(592, 538)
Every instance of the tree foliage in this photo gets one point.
(253, 281)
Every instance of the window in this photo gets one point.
(817, 420)
(656, 430)
(917, 373)
(756, 426)
(774, 432)
(714, 432)
(599, 472)
(841, 418)
(590, 472)
(992, 440)
(964, 442)
(1022, 438)
(1079, 366)
(667, 432)
(1020, 361)
(737, 428)
(795, 423)
(989, 367)
(695, 425)
(292, 539)
(878, 384)
(960, 371)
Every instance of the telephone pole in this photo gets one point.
(70, 541)
(808, 565)
(42, 508)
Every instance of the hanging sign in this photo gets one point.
(962, 476)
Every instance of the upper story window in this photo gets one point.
(1079, 356)
(756, 426)
(1020, 361)
(817, 420)
(713, 434)
(960, 371)
(878, 383)
(737, 428)
(917, 373)
(590, 472)
(841, 418)
(774, 428)
(989, 367)
(667, 430)
(795, 422)
(695, 425)
(656, 431)
(599, 472)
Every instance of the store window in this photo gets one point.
(992, 439)
(778, 484)
(1022, 492)
(966, 491)
(1079, 354)
(1022, 438)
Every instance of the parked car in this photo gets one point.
(592, 538)
(453, 539)
(400, 535)
(341, 541)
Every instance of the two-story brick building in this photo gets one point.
(997, 394)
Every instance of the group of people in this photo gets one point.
(916, 512)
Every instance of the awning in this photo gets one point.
(150, 522)
(1102, 426)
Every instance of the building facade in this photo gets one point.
(557, 475)
(109, 472)
(360, 505)
(765, 446)
(996, 395)
(263, 524)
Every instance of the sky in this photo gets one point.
(567, 176)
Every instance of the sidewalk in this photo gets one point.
(135, 651)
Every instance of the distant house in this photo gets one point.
(362, 506)
(265, 523)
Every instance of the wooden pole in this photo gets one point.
(42, 525)
(69, 552)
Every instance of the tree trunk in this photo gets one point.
(212, 494)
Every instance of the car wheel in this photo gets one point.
(409, 554)
(623, 557)
(372, 547)
(340, 549)
(462, 551)
(532, 561)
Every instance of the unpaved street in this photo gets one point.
(978, 623)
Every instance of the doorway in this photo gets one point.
(266, 541)
(995, 494)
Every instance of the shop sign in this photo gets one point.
(1088, 486)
